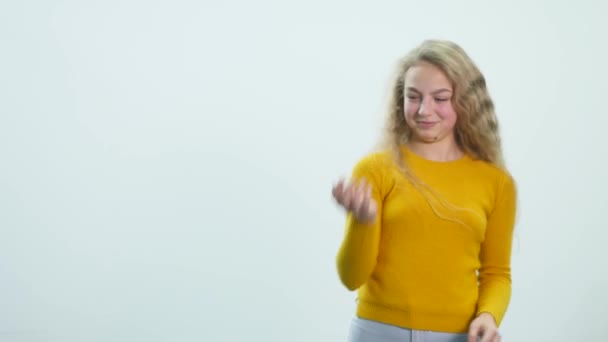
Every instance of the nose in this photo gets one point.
(425, 108)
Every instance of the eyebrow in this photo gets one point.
(442, 90)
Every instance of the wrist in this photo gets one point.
(487, 315)
(362, 220)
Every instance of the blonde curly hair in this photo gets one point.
(476, 130)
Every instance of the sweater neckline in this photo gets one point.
(409, 154)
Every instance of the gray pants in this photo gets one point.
(363, 330)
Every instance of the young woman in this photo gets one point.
(430, 216)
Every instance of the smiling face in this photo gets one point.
(428, 103)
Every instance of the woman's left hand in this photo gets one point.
(484, 326)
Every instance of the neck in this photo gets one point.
(442, 151)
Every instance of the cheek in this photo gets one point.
(410, 110)
(448, 115)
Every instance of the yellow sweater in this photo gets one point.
(431, 262)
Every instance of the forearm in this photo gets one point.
(357, 255)
(495, 254)
(494, 293)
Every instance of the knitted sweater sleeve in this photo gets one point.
(358, 251)
(495, 254)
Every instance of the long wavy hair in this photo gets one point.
(476, 129)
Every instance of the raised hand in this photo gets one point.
(356, 197)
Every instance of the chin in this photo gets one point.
(427, 137)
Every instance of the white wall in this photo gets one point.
(166, 166)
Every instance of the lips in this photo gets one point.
(426, 124)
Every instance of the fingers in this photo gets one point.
(484, 329)
(366, 196)
(347, 197)
(494, 336)
(337, 191)
(487, 335)
(360, 203)
(373, 207)
(355, 197)
(491, 336)
(474, 333)
(352, 198)
(369, 207)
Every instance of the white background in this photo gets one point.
(166, 166)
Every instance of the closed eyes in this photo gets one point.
(417, 98)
